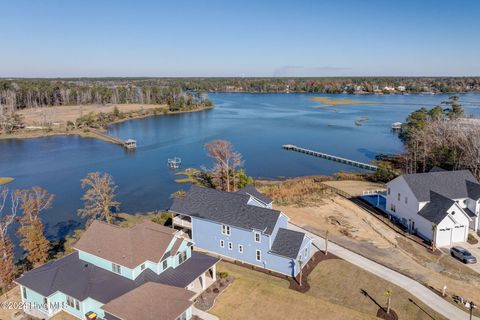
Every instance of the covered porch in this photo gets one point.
(195, 274)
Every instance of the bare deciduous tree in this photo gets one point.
(226, 162)
(99, 200)
(7, 265)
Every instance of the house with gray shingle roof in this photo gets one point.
(450, 200)
(242, 226)
(112, 266)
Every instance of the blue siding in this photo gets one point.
(104, 264)
(207, 236)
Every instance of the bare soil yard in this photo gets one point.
(359, 231)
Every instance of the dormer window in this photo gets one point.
(142, 267)
(116, 268)
(398, 196)
(226, 230)
(257, 237)
(165, 264)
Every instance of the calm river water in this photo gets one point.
(256, 124)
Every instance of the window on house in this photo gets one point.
(116, 268)
(24, 291)
(306, 253)
(257, 237)
(398, 196)
(225, 230)
(182, 257)
(240, 248)
(165, 264)
(142, 267)
(222, 243)
(73, 303)
(388, 191)
(258, 255)
(392, 207)
(183, 316)
(230, 246)
(406, 199)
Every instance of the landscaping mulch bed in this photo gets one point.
(206, 300)
(472, 241)
(294, 282)
(307, 269)
(382, 314)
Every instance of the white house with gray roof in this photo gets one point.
(242, 226)
(448, 199)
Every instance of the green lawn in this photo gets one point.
(334, 294)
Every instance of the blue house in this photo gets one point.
(147, 272)
(242, 226)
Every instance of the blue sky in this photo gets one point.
(70, 38)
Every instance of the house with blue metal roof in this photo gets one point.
(112, 265)
(242, 226)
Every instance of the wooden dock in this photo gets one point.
(353, 163)
(128, 144)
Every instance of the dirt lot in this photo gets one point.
(62, 114)
(357, 230)
(334, 294)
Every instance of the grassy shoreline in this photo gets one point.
(329, 102)
(6, 180)
(41, 133)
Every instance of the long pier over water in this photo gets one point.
(358, 164)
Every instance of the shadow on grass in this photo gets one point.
(419, 307)
(366, 294)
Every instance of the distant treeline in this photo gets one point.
(333, 85)
(20, 94)
(31, 93)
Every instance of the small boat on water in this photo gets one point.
(174, 163)
(396, 126)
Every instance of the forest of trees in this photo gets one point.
(441, 137)
(20, 94)
(32, 93)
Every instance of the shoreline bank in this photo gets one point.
(86, 132)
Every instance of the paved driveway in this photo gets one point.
(415, 288)
(474, 249)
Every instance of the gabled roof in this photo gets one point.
(77, 279)
(151, 301)
(80, 279)
(226, 208)
(436, 210)
(451, 184)
(128, 247)
(252, 191)
(473, 190)
(287, 243)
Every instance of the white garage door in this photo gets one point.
(444, 237)
(458, 234)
